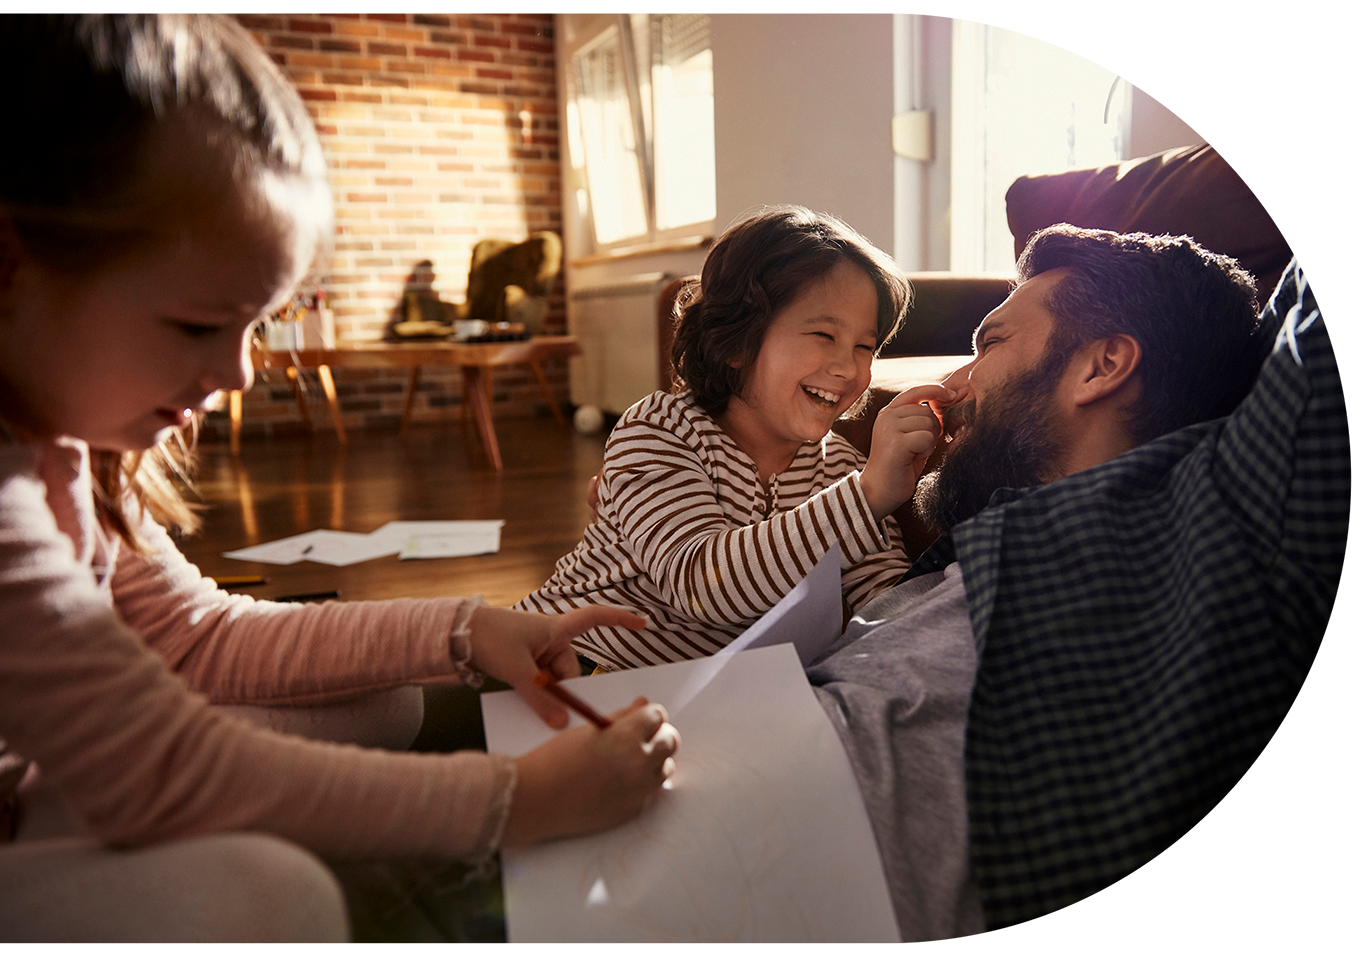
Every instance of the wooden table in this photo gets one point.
(477, 361)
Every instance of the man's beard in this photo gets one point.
(1012, 442)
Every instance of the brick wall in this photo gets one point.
(440, 130)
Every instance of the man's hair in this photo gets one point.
(1193, 312)
(754, 270)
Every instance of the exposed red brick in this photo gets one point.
(367, 64)
(253, 21)
(292, 43)
(309, 26)
(424, 165)
(527, 29)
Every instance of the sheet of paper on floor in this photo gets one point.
(424, 538)
(763, 835)
(416, 539)
(337, 548)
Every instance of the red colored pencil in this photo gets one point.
(549, 683)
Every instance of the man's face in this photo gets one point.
(1003, 428)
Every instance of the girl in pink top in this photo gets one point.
(162, 189)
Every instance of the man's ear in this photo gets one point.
(1108, 365)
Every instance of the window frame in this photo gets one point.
(633, 34)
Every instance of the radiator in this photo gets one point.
(615, 324)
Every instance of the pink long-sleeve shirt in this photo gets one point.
(109, 663)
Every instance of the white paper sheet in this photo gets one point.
(763, 836)
(413, 538)
(423, 539)
(809, 615)
(334, 547)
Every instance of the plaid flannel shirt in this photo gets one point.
(1144, 626)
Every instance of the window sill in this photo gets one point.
(643, 250)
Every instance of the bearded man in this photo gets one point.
(1135, 570)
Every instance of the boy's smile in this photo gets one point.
(813, 365)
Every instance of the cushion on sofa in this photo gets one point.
(1188, 190)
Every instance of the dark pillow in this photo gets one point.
(1186, 191)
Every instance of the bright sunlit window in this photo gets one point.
(1020, 107)
(640, 127)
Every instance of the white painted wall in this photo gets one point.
(1198, 76)
(802, 114)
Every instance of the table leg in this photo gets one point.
(475, 395)
(328, 387)
(235, 403)
(410, 400)
(547, 392)
(300, 397)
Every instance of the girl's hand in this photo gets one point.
(587, 779)
(513, 645)
(906, 433)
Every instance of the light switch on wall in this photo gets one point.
(913, 135)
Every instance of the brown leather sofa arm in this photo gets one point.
(946, 308)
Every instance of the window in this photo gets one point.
(1020, 106)
(640, 128)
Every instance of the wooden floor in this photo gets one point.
(280, 486)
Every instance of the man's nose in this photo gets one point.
(959, 381)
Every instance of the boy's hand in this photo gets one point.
(906, 433)
(584, 779)
(513, 645)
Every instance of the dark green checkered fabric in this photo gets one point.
(1145, 625)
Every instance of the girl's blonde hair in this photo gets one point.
(97, 90)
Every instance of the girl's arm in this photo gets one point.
(143, 759)
(236, 649)
(658, 489)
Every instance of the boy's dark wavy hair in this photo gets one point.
(754, 270)
(1192, 311)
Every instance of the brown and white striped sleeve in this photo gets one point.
(671, 494)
